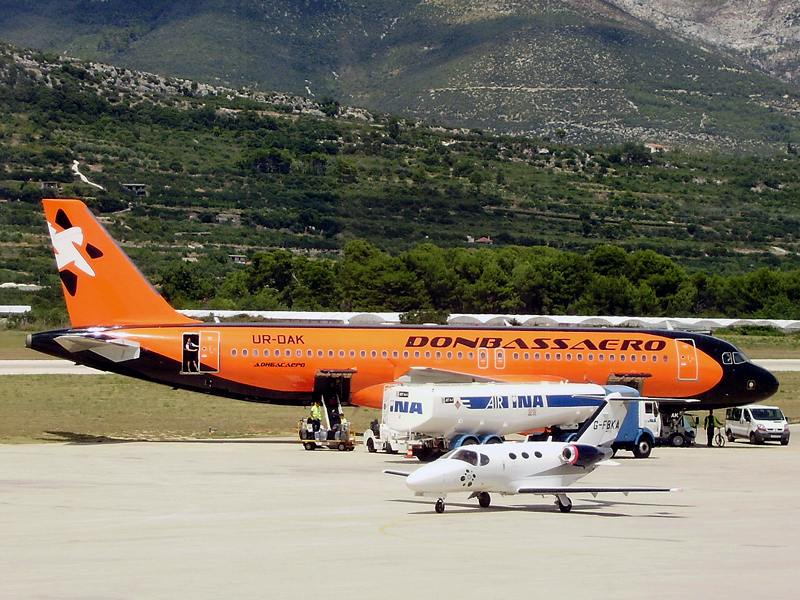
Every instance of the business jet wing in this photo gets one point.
(565, 489)
(393, 472)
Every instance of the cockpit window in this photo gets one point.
(739, 358)
(484, 460)
(733, 358)
(468, 456)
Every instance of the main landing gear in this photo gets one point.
(564, 503)
(484, 500)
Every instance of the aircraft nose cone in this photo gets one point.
(430, 478)
(763, 385)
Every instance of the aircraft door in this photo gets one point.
(200, 352)
(687, 360)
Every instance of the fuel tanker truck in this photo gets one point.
(427, 420)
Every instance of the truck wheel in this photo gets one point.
(342, 447)
(371, 445)
(425, 454)
(309, 445)
(753, 439)
(643, 447)
(388, 448)
(729, 433)
(677, 440)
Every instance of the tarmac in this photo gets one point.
(267, 519)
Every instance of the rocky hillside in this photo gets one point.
(766, 33)
(582, 71)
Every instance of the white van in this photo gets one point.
(757, 423)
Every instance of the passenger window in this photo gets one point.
(512, 456)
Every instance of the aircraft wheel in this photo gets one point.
(309, 445)
(642, 448)
(371, 445)
(677, 440)
(440, 506)
(484, 499)
(564, 507)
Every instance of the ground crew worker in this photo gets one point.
(710, 422)
(316, 415)
(342, 424)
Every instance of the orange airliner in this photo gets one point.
(121, 324)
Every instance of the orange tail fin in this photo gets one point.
(101, 284)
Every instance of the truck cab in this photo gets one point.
(756, 423)
(640, 429)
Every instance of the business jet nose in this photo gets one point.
(438, 476)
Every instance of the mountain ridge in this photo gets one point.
(600, 72)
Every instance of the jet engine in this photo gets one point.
(582, 455)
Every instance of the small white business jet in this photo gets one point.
(543, 468)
